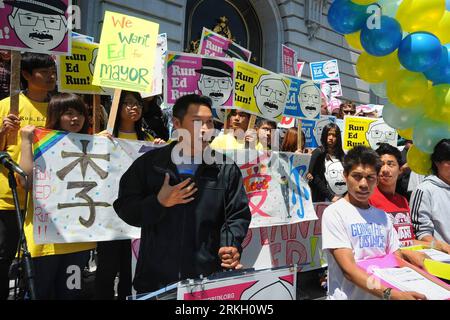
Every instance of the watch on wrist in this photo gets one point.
(387, 294)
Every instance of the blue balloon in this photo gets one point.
(383, 40)
(447, 5)
(440, 72)
(419, 51)
(345, 17)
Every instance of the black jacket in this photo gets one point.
(181, 241)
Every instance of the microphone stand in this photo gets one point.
(22, 247)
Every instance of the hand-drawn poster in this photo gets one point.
(214, 45)
(259, 91)
(313, 130)
(277, 246)
(367, 132)
(278, 284)
(208, 76)
(304, 99)
(75, 72)
(276, 188)
(35, 26)
(158, 73)
(289, 60)
(75, 183)
(126, 56)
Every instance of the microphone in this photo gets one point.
(8, 163)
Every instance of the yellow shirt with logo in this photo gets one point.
(229, 142)
(30, 113)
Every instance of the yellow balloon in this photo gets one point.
(437, 103)
(419, 15)
(418, 161)
(406, 133)
(364, 2)
(443, 28)
(407, 89)
(353, 40)
(377, 69)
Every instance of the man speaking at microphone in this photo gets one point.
(194, 215)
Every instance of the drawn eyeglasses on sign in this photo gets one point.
(222, 83)
(335, 173)
(31, 20)
(377, 134)
(305, 97)
(267, 92)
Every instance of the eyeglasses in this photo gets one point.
(305, 97)
(267, 92)
(222, 83)
(348, 112)
(31, 20)
(377, 134)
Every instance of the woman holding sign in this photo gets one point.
(328, 182)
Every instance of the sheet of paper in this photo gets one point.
(437, 255)
(407, 279)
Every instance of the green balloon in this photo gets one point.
(401, 118)
(427, 133)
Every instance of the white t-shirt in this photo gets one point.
(368, 232)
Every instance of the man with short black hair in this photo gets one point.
(353, 230)
(194, 216)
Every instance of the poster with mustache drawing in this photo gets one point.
(191, 73)
(304, 99)
(259, 91)
(334, 174)
(35, 26)
(327, 72)
(214, 45)
(313, 130)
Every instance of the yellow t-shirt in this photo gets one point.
(229, 142)
(30, 113)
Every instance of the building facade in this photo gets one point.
(259, 25)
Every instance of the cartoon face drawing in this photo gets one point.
(40, 25)
(380, 132)
(270, 95)
(330, 68)
(93, 60)
(334, 174)
(215, 81)
(320, 124)
(310, 99)
(335, 87)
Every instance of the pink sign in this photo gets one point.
(208, 76)
(300, 65)
(289, 57)
(214, 45)
(35, 26)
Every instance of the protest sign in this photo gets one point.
(259, 91)
(35, 26)
(75, 184)
(287, 122)
(208, 76)
(300, 66)
(75, 72)
(367, 132)
(277, 246)
(304, 99)
(159, 68)
(313, 130)
(327, 72)
(278, 284)
(214, 45)
(289, 60)
(126, 57)
(81, 37)
(275, 185)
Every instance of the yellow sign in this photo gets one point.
(127, 53)
(359, 131)
(75, 72)
(259, 91)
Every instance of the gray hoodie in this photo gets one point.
(430, 209)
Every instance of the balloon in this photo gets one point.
(383, 40)
(379, 89)
(437, 103)
(443, 27)
(440, 72)
(427, 133)
(418, 161)
(377, 69)
(353, 40)
(417, 15)
(419, 51)
(389, 7)
(401, 118)
(364, 2)
(345, 16)
(447, 5)
(406, 133)
(406, 89)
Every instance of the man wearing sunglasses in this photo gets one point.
(40, 25)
